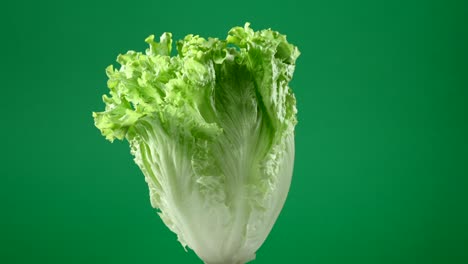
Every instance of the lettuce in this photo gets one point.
(212, 130)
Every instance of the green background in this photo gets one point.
(382, 141)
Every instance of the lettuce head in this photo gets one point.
(212, 130)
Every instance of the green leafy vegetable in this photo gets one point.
(212, 129)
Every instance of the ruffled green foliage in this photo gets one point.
(212, 129)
